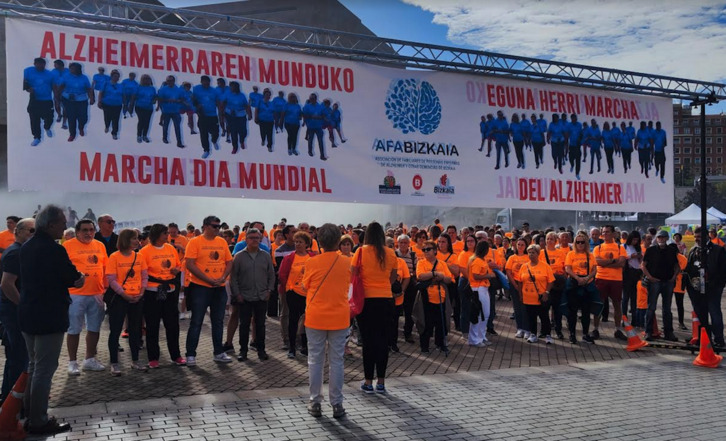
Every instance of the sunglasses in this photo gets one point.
(428, 249)
(580, 242)
(216, 227)
(111, 221)
(31, 230)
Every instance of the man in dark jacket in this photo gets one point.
(660, 268)
(707, 302)
(105, 233)
(47, 273)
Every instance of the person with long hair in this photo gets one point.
(110, 101)
(290, 277)
(265, 118)
(631, 275)
(446, 254)
(236, 112)
(377, 267)
(127, 276)
(536, 281)
(142, 101)
(514, 264)
(479, 275)
(555, 258)
(291, 116)
(581, 267)
(161, 298)
(465, 290)
(430, 268)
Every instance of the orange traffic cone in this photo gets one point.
(10, 427)
(706, 356)
(695, 323)
(634, 342)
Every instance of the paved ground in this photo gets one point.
(661, 397)
(279, 372)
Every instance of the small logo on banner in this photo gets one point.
(444, 187)
(417, 184)
(413, 106)
(389, 185)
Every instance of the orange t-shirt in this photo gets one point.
(556, 259)
(502, 252)
(211, 257)
(294, 280)
(119, 264)
(682, 262)
(327, 305)
(6, 239)
(578, 262)
(717, 241)
(458, 246)
(609, 251)
(449, 259)
(418, 252)
(403, 273)
(493, 256)
(376, 279)
(436, 293)
(642, 296)
(479, 267)
(543, 276)
(91, 260)
(514, 263)
(160, 262)
(463, 261)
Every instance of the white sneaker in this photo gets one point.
(527, 334)
(115, 369)
(220, 358)
(548, 340)
(191, 360)
(73, 368)
(182, 316)
(91, 364)
(532, 339)
(519, 334)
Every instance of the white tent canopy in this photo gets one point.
(713, 211)
(691, 215)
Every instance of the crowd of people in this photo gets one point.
(56, 283)
(222, 111)
(572, 140)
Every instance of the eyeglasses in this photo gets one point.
(31, 230)
(580, 242)
(253, 238)
(110, 221)
(216, 227)
(427, 249)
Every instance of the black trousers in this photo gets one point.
(535, 311)
(434, 325)
(156, 311)
(660, 161)
(111, 117)
(40, 110)
(208, 125)
(555, 301)
(118, 310)
(292, 132)
(575, 158)
(577, 303)
(455, 303)
(518, 150)
(237, 128)
(144, 115)
(409, 297)
(246, 310)
(609, 158)
(627, 158)
(538, 152)
(296, 305)
(266, 132)
(393, 331)
(631, 276)
(371, 321)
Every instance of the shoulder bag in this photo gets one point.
(110, 295)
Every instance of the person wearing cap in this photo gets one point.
(660, 267)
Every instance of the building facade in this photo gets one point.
(687, 145)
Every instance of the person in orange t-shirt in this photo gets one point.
(679, 291)
(291, 275)
(480, 275)
(611, 258)
(162, 295)
(430, 268)
(7, 237)
(536, 281)
(465, 291)
(404, 278)
(179, 242)
(208, 262)
(580, 265)
(555, 257)
(377, 267)
(514, 264)
(325, 281)
(127, 276)
(447, 255)
(90, 258)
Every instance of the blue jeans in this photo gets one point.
(503, 146)
(176, 119)
(199, 298)
(16, 354)
(665, 289)
(311, 135)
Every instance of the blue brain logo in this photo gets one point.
(413, 105)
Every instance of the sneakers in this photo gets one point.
(367, 388)
(73, 368)
(139, 139)
(314, 409)
(620, 335)
(191, 360)
(560, 336)
(180, 361)
(206, 154)
(146, 139)
(595, 334)
(492, 332)
(35, 142)
(139, 366)
(241, 357)
(380, 388)
(154, 364)
(338, 411)
(548, 340)
(527, 335)
(91, 364)
(216, 145)
(221, 358)
(533, 339)
(573, 339)
(115, 369)
(519, 334)
(291, 355)
(263, 356)
(587, 338)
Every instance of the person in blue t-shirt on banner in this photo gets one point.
(58, 71)
(616, 138)
(100, 79)
(313, 117)
(556, 138)
(336, 120)
(187, 108)
(171, 99)
(278, 106)
(538, 141)
(574, 141)
(501, 133)
(651, 130)
(608, 143)
(527, 131)
(255, 97)
(517, 131)
(206, 101)
(38, 82)
(642, 145)
(76, 93)
(143, 101)
(659, 145)
(110, 100)
(265, 118)
(222, 89)
(236, 111)
(626, 147)
(128, 89)
(593, 139)
(292, 116)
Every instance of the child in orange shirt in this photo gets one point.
(639, 317)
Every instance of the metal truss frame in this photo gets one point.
(185, 24)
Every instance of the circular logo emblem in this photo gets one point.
(417, 182)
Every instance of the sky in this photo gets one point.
(685, 39)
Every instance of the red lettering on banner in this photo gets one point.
(78, 56)
(267, 73)
(47, 46)
(297, 74)
(243, 67)
(202, 62)
(172, 58)
(90, 172)
(217, 64)
(187, 57)
(157, 57)
(111, 51)
(229, 60)
(284, 68)
(144, 175)
(111, 170)
(139, 58)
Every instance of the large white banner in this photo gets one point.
(411, 137)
